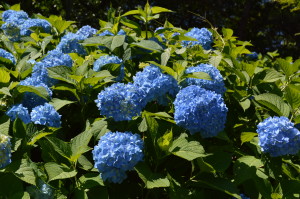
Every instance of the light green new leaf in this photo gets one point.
(186, 149)
(157, 9)
(5, 91)
(4, 76)
(165, 141)
(37, 137)
(56, 171)
(215, 60)
(273, 102)
(247, 136)
(198, 75)
(149, 45)
(151, 180)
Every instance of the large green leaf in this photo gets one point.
(292, 95)
(151, 180)
(59, 103)
(40, 91)
(90, 180)
(117, 41)
(287, 67)
(25, 172)
(4, 75)
(247, 136)
(61, 73)
(4, 124)
(61, 147)
(273, 102)
(149, 45)
(272, 75)
(186, 149)
(56, 171)
(157, 9)
(79, 144)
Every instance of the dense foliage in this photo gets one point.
(127, 112)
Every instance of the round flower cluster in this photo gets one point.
(7, 55)
(117, 153)
(5, 151)
(45, 115)
(18, 24)
(155, 84)
(19, 111)
(110, 59)
(121, 101)
(200, 110)
(69, 43)
(30, 23)
(216, 84)
(278, 136)
(203, 36)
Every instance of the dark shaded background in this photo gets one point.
(264, 23)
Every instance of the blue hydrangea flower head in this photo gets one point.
(200, 110)
(121, 101)
(110, 59)
(7, 55)
(278, 136)
(30, 23)
(116, 153)
(155, 84)
(57, 58)
(86, 31)
(12, 15)
(203, 35)
(216, 84)
(69, 43)
(45, 115)
(19, 111)
(5, 151)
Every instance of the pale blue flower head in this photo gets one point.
(110, 59)
(200, 110)
(215, 84)
(116, 153)
(45, 115)
(5, 151)
(121, 101)
(86, 31)
(278, 136)
(30, 23)
(19, 111)
(155, 84)
(69, 43)
(203, 35)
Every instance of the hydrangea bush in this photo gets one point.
(131, 110)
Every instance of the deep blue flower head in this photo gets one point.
(116, 153)
(45, 115)
(216, 84)
(12, 15)
(121, 101)
(86, 31)
(69, 43)
(30, 23)
(30, 99)
(19, 111)
(11, 30)
(5, 151)
(7, 55)
(110, 59)
(203, 36)
(155, 84)
(278, 136)
(200, 110)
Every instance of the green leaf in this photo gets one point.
(66, 87)
(149, 45)
(186, 149)
(4, 124)
(198, 75)
(59, 103)
(131, 12)
(219, 160)
(165, 56)
(272, 76)
(245, 104)
(79, 144)
(61, 73)
(56, 171)
(287, 67)
(37, 137)
(143, 125)
(15, 7)
(292, 95)
(5, 91)
(25, 172)
(215, 60)
(156, 10)
(273, 102)
(165, 141)
(99, 128)
(247, 136)
(4, 75)
(61, 25)
(61, 147)
(151, 180)
(117, 41)
(90, 180)
(152, 125)
(130, 23)
(40, 91)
